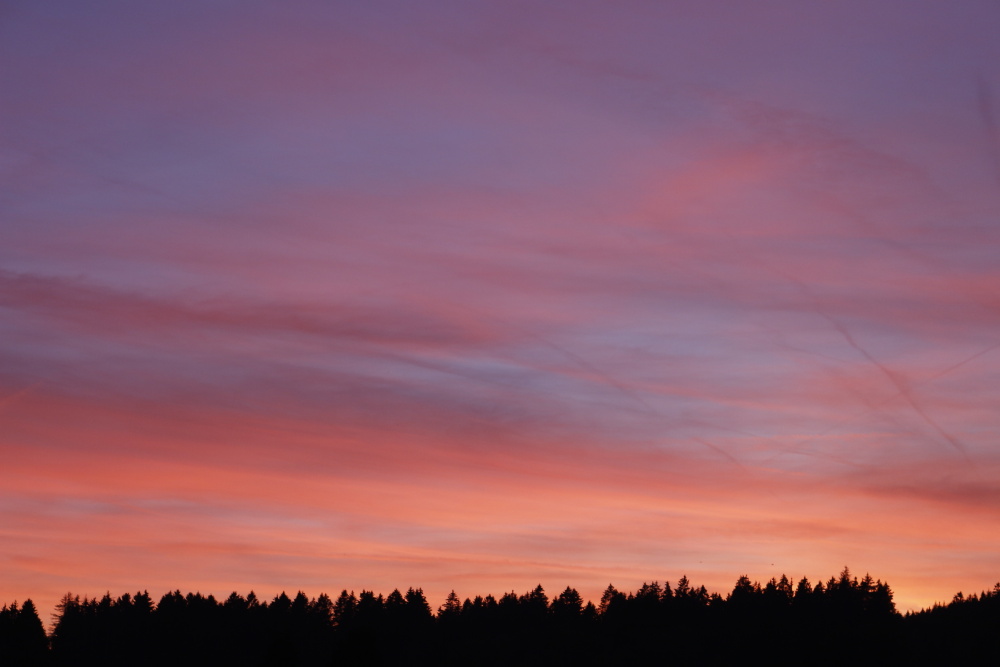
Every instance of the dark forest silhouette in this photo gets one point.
(842, 621)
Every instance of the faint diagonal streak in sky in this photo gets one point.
(899, 383)
(796, 447)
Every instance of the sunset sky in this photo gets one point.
(482, 295)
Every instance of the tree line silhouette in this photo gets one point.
(844, 620)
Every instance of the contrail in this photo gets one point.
(955, 367)
(637, 399)
(632, 394)
(794, 449)
(720, 450)
(901, 385)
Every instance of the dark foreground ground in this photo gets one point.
(844, 621)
